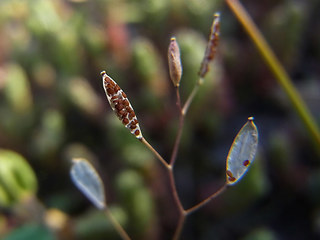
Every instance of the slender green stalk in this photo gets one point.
(117, 225)
(276, 68)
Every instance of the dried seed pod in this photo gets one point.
(88, 181)
(211, 46)
(120, 104)
(174, 61)
(242, 152)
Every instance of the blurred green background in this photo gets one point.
(53, 108)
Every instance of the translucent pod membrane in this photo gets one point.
(242, 152)
(120, 105)
(88, 181)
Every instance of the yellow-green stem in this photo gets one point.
(276, 68)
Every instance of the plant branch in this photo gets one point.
(191, 96)
(117, 225)
(179, 226)
(174, 190)
(179, 133)
(146, 143)
(207, 200)
(276, 68)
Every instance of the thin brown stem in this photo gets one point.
(182, 213)
(179, 133)
(117, 225)
(178, 98)
(207, 200)
(191, 96)
(177, 142)
(148, 145)
(179, 226)
(174, 190)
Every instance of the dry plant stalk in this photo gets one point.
(240, 156)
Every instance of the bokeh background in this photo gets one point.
(53, 108)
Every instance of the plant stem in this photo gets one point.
(178, 98)
(178, 231)
(170, 170)
(170, 166)
(276, 68)
(179, 133)
(173, 187)
(174, 190)
(191, 96)
(117, 225)
(164, 162)
(207, 200)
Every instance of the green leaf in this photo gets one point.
(242, 152)
(87, 180)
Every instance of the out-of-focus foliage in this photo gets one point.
(53, 108)
(31, 231)
(17, 179)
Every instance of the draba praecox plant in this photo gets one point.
(240, 156)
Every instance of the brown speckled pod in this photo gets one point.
(120, 105)
(211, 46)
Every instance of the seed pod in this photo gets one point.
(88, 181)
(242, 152)
(120, 105)
(211, 46)
(174, 61)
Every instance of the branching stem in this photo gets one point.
(170, 166)
(207, 200)
(148, 145)
(180, 129)
(179, 227)
(191, 96)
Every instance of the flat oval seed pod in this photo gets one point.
(121, 105)
(242, 152)
(87, 180)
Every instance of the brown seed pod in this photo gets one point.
(211, 46)
(174, 61)
(120, 104)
